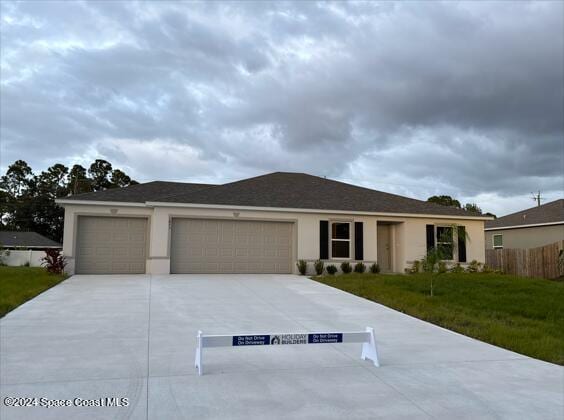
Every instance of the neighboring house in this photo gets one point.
(531, 228)
(257, 225)
(26, 241)
(24, 248)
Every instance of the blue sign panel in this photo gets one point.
(322, 338)
(251, 340)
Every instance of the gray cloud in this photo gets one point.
(413, 98)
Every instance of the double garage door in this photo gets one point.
(230, 246)
(118, 245)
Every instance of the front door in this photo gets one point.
(384, 248)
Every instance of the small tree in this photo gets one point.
(431, 260)
(434, 261)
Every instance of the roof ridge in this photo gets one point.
(211, 186)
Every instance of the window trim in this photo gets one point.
(331, 223)
(454, 242)
(494, 246)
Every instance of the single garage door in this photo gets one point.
(111, 245)
(230, 246)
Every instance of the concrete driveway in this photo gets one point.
(133, 337)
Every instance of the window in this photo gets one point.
(498, 241)
(445, 244)
(340, 240)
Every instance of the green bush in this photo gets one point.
(359, 267)
(318, 266)
(457, 268)
(473, 267)
(346, 267)
(331, 269)
(375, 268)
(416, 267)
(302, 266)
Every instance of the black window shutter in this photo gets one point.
(358, 241)
(323, 240)
(430, 237)
(461, 244)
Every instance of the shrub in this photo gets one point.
(416, 267)
(331, 269)
(346, 267)
(54, 261)
(473, 267)
(375, 268)
(487, 269)
(318, 265)
(4, 253)
(457, 268)
(442, 268)
(359, 267)
(302, 266)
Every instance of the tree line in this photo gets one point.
(27, 200)
(447, 200)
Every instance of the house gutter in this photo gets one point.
(525, 226)
(270, 209)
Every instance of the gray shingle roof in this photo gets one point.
(26, 239)
(547, 213)
(140, 193)
(278, 189)
(303, 191)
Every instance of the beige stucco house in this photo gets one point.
(531, 228)
(257, 225)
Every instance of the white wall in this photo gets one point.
(19, 258)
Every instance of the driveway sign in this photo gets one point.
(365, 337)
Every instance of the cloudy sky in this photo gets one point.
(415, 98)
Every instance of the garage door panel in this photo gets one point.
(227, 252)
(236, 246)
(111, 245)
(212, 252)
(241, 252)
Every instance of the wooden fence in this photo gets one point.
(533, 262)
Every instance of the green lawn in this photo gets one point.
(20, 284)
(519, 314)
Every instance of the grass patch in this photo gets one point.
(20, 284)
(520, 314)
